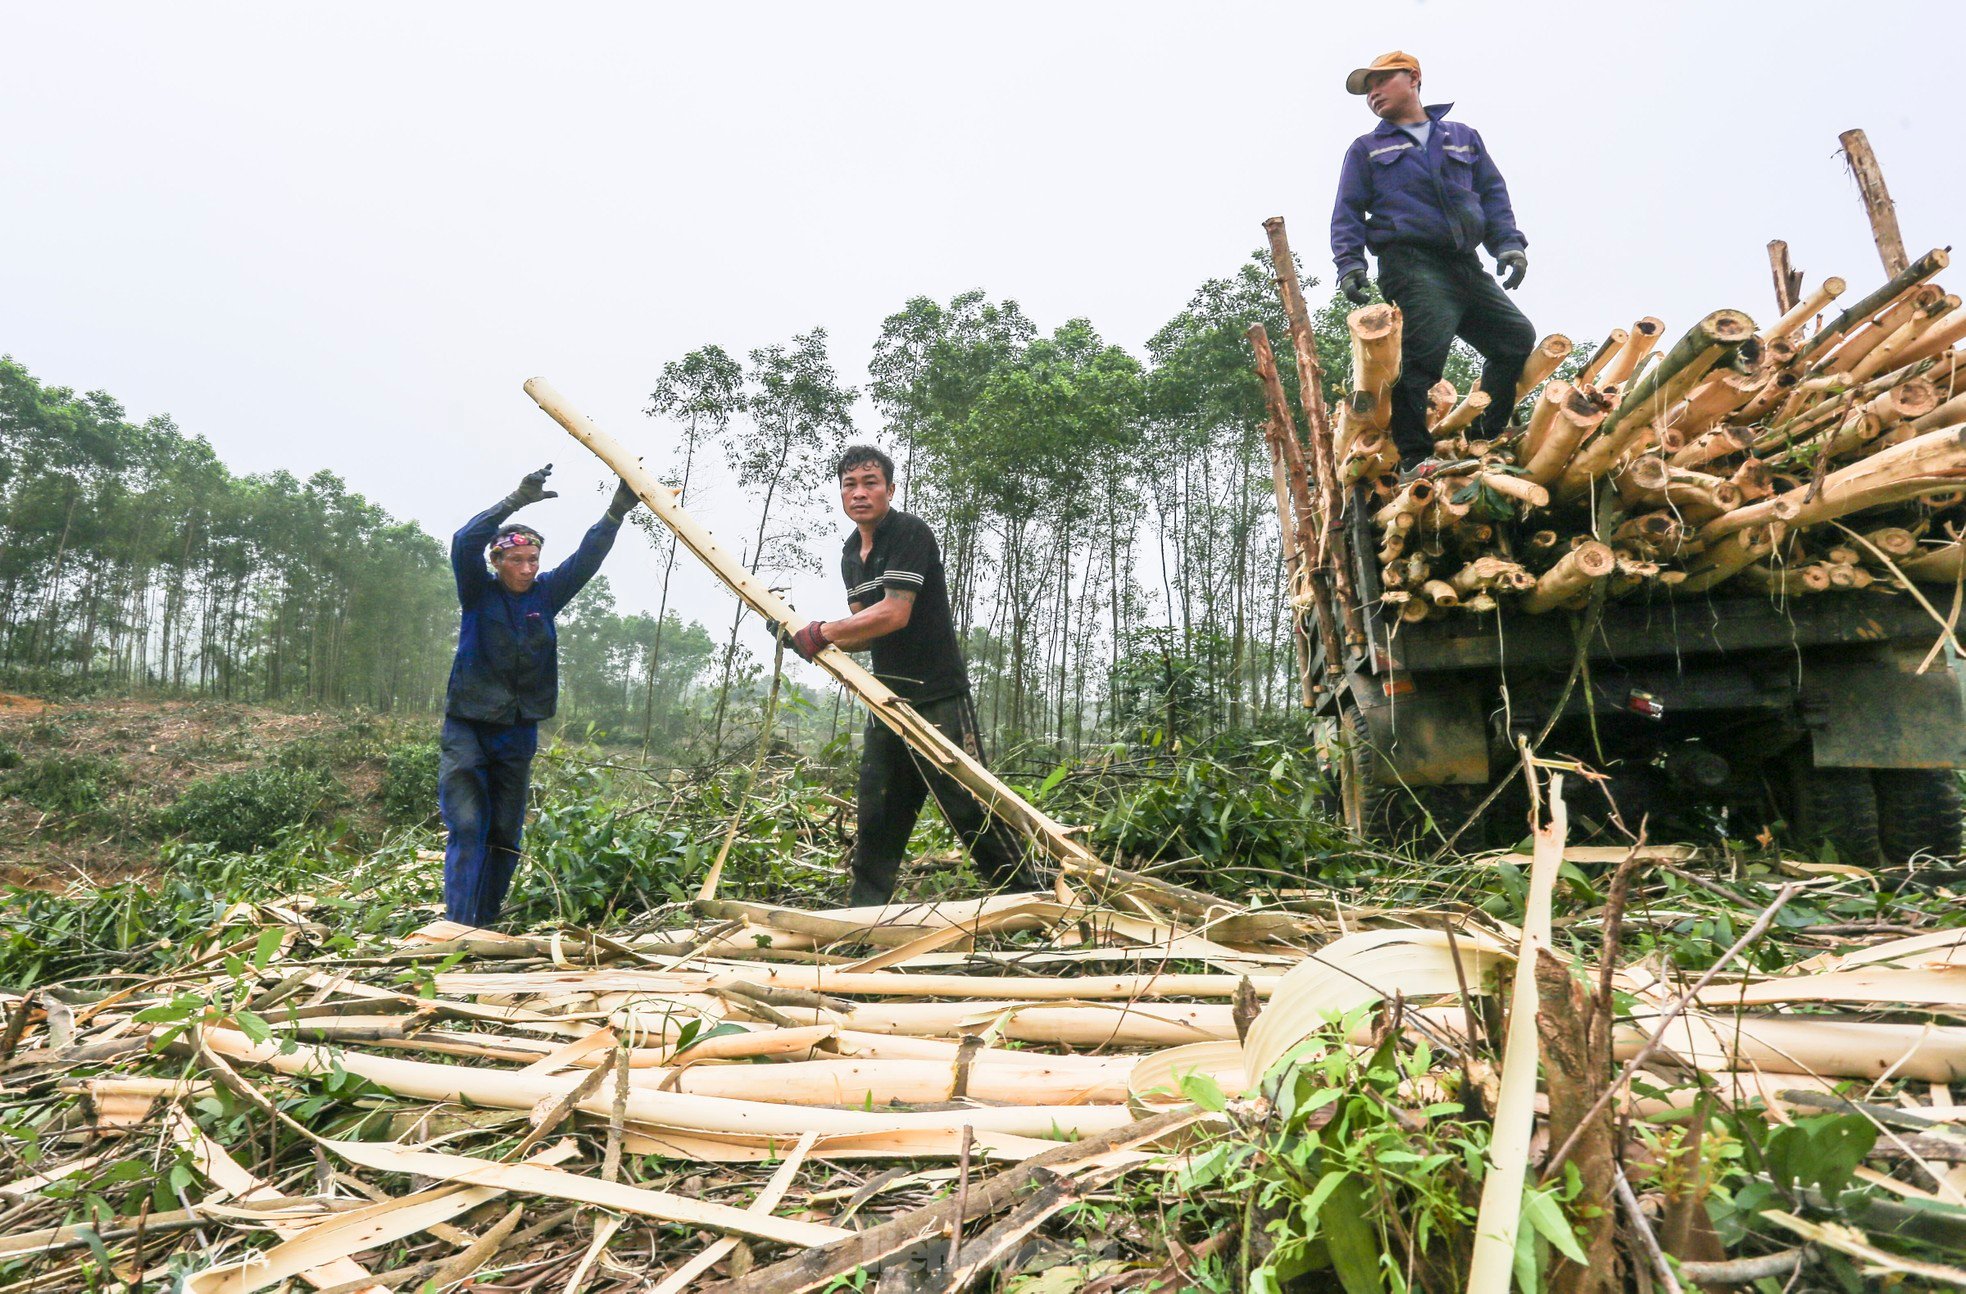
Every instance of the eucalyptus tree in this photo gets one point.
(701, 392)
(800, 419)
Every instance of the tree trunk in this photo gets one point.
(1882, 212)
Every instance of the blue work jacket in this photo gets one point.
(507, 668)
(1447, 195)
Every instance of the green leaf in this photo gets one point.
(264, 948)
(1541, 1211)
(1056, 776)
(1352, 1241)
(1205, 1092)
(252, 1026)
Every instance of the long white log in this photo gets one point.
(925, 738)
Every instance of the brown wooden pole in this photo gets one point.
(1296, 518)
(1788, 279)
(1883, 213)
(1334, 552)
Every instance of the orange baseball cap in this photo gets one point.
(1397, 61)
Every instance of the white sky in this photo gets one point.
(342, 235)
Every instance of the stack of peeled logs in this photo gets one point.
(1823, 453)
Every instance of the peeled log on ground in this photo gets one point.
(1375, 358)
(1543, 361)
(1572, 575)
(1928, 464)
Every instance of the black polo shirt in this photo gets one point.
(921, 661)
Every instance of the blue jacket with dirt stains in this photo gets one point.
(507, 668)
(1448, 194)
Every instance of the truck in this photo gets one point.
(1838, 717)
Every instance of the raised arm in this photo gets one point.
(571, 576)
(468, 544)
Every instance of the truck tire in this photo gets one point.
(1835, 806)
(1918, 813)
(1383, 810)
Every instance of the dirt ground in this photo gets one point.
(157, 748)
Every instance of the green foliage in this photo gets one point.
(1336, 1180)
(239, 812)
(409, 782)
(148, 923)
(64, 784)
(1241, 804)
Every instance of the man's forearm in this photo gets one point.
(859, 630)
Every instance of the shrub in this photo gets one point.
(1237, 803)
(64, 784)
(9, 757)
(240, 812)
(409, 783)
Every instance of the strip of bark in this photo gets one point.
(1576, 1046)
(818, 1266)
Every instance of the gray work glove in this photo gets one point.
(532, 489)
(1352, 284)
(623, 502)
(1512, 266)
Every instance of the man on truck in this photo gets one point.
(1422, 193)
(899, 597)
(504, 680)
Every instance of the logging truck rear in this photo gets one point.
(1840, 716)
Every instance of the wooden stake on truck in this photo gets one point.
(1296, 519)
(1332, 567)
(1073, 859)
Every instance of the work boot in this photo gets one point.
(1421, 470)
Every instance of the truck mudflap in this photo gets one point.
(1875, 710)
(1429, 732)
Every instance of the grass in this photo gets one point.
(1349, 1172)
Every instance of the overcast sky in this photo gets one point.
(343, 235)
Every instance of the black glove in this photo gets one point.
(1352, 284)
(1512, 266)
(532, 489)
(623, 503)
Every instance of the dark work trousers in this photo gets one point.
(1441, 295)
(893, 785)
(483, 770)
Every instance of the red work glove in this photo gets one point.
(809, 641)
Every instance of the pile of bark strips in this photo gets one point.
(759, 1098)
(1821, 453)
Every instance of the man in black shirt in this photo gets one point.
(900, 601)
